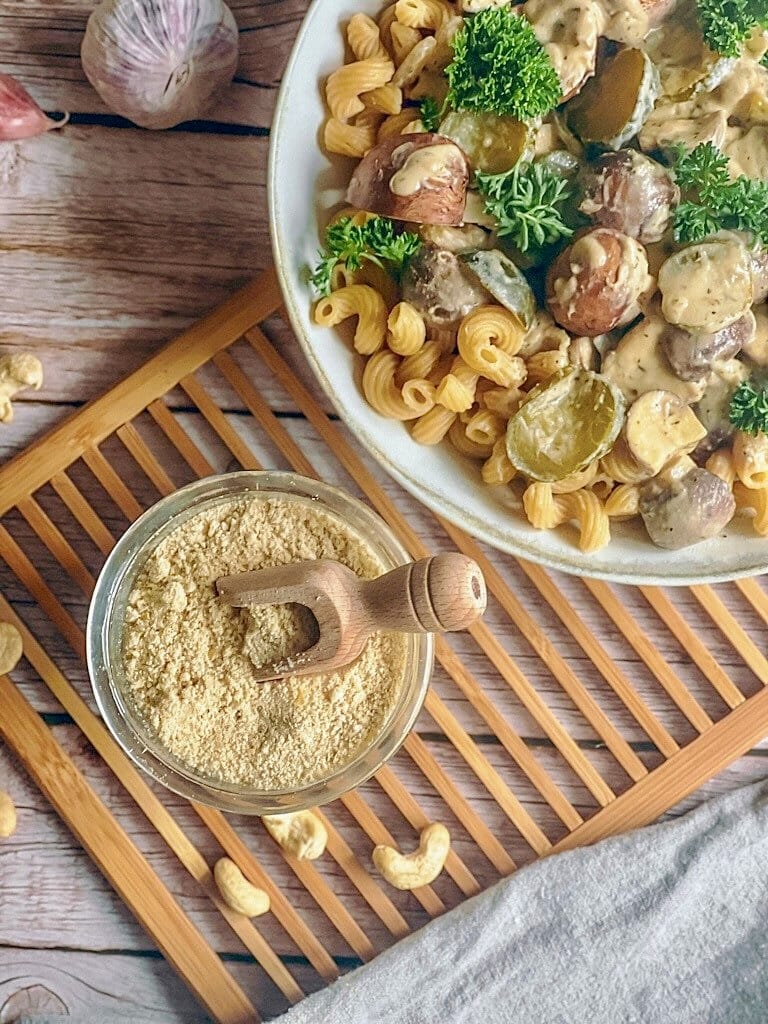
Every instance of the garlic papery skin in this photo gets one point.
(160, 62)
(20, 116)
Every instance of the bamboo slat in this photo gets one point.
(133, 446)
(119, 860)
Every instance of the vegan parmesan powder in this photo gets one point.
(190, 660)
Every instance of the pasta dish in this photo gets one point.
(553, 253)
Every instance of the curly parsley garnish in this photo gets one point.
(715, 202)
(527, 203)
(749, 408)
(500, 67)
(351, 244)
(429, 112)
(727, 24)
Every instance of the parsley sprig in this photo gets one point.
(500, 67)
(749, 408)
(527, 203)
(351, 244)
(726, 24)
(715, 202)
(429, 112)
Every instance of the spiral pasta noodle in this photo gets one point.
(621, 465)
(415, 60)
(755, 499)
(348, 139)
(433, 426)
(345, 85)
(457, 435)
(386, 99)
(750, 459)
(421, 363)
(546, 510)
(456, 391)
(380, 389)
(419, 395)
(426, 14)
(584, 478)
(623, 502)
(720, 463)
(406, 331)
(366, 304)
(485, 428)
(504, 401)
(497, 469)
(542, 365)
(487, 341)
(396, 124)
(364, 38)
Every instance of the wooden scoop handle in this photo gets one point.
(439, 594)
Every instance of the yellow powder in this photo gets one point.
(190, 660)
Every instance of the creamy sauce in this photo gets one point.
(426, 167)
(748, 152)
(569, 32)
(707, 286)
(638, 365)
(588, 252)
(729, 99)
(757, 348)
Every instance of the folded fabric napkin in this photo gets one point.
(666, 925)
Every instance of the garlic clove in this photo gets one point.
(20, 116)
(160, 62)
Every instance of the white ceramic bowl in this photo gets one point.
(303, 185)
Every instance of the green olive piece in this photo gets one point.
(506, 283)
(568, 421)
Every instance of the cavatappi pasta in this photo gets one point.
(460, 341)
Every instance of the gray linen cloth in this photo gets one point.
(666, 925)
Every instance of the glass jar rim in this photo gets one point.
(122, 566)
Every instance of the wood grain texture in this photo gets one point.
(120, 862)
(115, 239)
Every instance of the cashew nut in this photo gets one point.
(17, 372)
(301, 833)
(237, 892)
(10, 647)
(7, 816)
(412, 870)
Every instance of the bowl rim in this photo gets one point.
(136, 739)
(461, 517)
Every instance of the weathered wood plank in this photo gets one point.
(134, 987)
(40, 45)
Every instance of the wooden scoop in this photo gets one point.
(435, 595)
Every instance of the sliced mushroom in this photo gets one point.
(685, 511)
(417, 177)
(713, 407)
(442, 287)
(639, 364)
(692, 353)
(596, 283)
(631, 193)
(659, 426)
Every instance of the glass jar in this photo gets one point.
(104, 643)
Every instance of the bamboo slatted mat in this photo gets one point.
(168, 423)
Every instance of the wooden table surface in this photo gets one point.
(112, 240)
